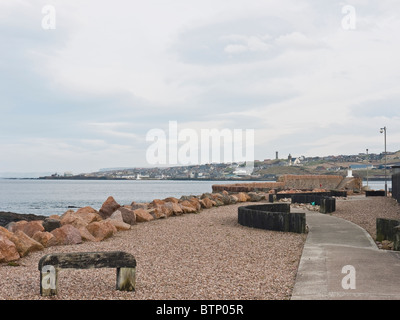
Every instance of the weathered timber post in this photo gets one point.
(50, 264)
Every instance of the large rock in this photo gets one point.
(255, 197)
(155, 203)
(174, 207)
(15, 226)
(241, 197)
(50, 224)
(32, 227)
(25, 244)
(171, 199)
(233, 199)
(72, 219)
(86, 235)
(206, 203)
(101, 229)
(157, 212)
(80, 218)
(139, 205)
(46, 239)
(5, 232)
(206, 195)
(143, 215)
(88, 214)
(128, 216)
(108, 207)
(67, 235)
(196, 203)
(188, 207)
(29, 227)
(8, 250)
(119, 224)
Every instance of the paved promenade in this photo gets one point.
(341, 261)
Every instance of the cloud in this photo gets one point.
(92, 88)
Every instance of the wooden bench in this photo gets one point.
(50, 264)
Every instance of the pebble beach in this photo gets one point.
(203, 256)
(200, 256)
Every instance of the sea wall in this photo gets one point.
(286, 182)
(248, 187)
(309, 182)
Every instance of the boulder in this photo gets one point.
(29, 227)
(174, 207)
(67, 235)
(101, 229)
(108, 207)
(45, 238)
(25, 244)
(155, 203)
(187, 207)
(50, 224)
(206, 203)
(55, 216)
(127, 215)
(139, 205)
(233, 199)
(206, 195)
(241, 196)
(10, 226)
(15, 226)
(119, 224)
(6, 233)
(8, 250)
(32, 227)
(171, 199)
(157, 212)
(196, 203)
(86, 235)
(143, 215)
(72, 219)
(88, 214)
(255, 197)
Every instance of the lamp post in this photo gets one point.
(367, 170)
(383, 130)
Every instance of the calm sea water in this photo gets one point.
(47, 197)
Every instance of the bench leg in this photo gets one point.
(48, 281)
(126, 279)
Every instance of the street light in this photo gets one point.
(383, 130)
(367, 170)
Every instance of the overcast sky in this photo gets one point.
(308, 76)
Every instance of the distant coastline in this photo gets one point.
(168, 179)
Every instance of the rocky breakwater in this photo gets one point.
(19, 238)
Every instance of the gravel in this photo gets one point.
(194, 256)
(363, 211)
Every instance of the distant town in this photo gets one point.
(366, 166)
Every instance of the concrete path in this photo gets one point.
(340, 260)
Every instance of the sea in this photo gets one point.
(47, 197)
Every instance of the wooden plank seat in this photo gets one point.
(50, 264)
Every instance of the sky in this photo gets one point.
(82, 83)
